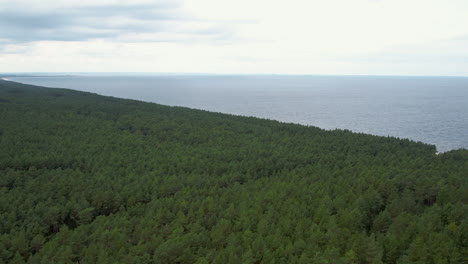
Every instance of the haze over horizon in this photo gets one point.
(361, 37)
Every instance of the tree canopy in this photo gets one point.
(93, 179)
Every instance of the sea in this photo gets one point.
(432, 110)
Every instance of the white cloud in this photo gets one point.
(411, 37)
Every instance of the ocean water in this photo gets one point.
(433, 110)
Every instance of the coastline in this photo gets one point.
(437, 150)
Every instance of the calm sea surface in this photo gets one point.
(428, 109)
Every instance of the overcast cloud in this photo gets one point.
(399, 37)
(108, 21)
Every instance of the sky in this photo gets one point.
(351, 37)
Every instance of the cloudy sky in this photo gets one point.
(383, 37)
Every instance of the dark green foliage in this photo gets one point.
(92, 179)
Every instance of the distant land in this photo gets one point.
(86, 178)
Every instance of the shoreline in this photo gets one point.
(437, 152)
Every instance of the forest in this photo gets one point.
(86, 178)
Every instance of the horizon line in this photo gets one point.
(64, 73)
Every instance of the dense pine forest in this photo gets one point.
(93, 179)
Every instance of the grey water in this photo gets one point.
(433, 110)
